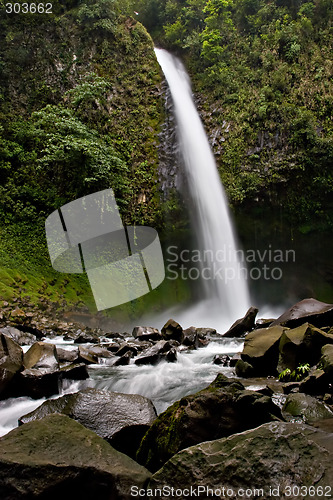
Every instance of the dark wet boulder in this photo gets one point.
(20, 337)
(326, 361)
(68, 355)
(243, 325)
(306, 408)
(86, 337)
(261, 350)
(57, 457)
(244, 369)
(146, 333)
(121, 419)
(73, 371)
(272, 458)
(125, 347)
(162, 350)
(11, 360)
(221, 359)
(87, 356)
(223, 408)
(36, 383)
(41, 355)
(302, 345)
(172, 331)
(308, 310)
(124, 359)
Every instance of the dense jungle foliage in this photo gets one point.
(81, 110)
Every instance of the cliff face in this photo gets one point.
(80, 110)
(97, 73)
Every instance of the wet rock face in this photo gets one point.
(243, 325)
(311, 310)
(223, 408)
(261, 350)
(274, 456)
(72, 462)
(121, 419)
(306, 408)
(11, 359)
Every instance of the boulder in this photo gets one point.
(261, 350)
(190, 337)
(146, 333)
(87, 356)
(41, 355)
(221, 409)
(121, 419)
(244, 369)
(66, 355)
(57, 457)
(11, 359)
(21, 338)
(86, 337)
(125, 347)
(326, 360)
(172, 331)
(308, 310)
(243, 325)
(73, 371)
(302, 345)
(221, 359)
(316, 382)
(306, 408)
(162, 350)
(124, 359)
(272, 458)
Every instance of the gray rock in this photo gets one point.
(270, 458)
(67, 355)
(21, 338)
(308, 310)
(306, 408)
(121, 419)
(57, 457)
(261, 350)
(146, 333)
(41, 355)
(172, 331)
(162, 350)
(221, 409)
(243, 325)
(301, 345)
(11, 359)
(326, 360)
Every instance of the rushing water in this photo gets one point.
(222, 281)
(164, 383)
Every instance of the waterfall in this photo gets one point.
(223, 282)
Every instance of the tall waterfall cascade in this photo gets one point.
(223, 281)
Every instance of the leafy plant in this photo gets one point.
(294, 376)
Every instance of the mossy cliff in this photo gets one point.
(80, 111)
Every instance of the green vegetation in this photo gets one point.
(296, 375)
(81, 110)
(262, 74)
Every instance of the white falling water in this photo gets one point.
(226, 291)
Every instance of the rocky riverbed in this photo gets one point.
(264, 422)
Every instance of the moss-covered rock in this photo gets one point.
(306, 408)
(57, 457)
(221, 409)
(270, 458)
